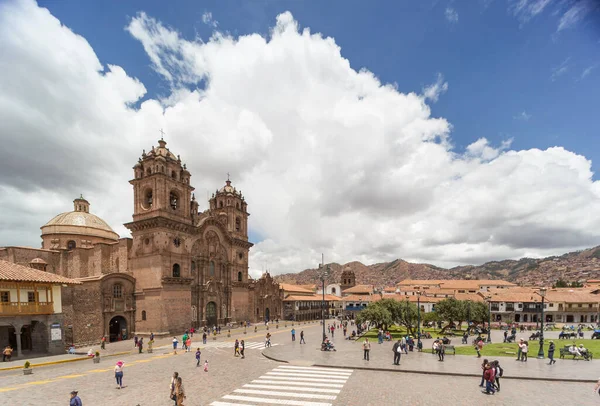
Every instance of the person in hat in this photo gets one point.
(119, 374)
(551, 353)
(75, 400)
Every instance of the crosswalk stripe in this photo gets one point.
(330, 370)
(306, 375)
(275, 401)
(287, 394)
(310, 371)
(327, 385)
(286, 378)
(229, 404)
(304, 389)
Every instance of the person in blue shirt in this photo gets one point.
(293, 334)
(75, 400)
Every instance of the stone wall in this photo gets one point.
(82, 309)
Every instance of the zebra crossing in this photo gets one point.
(290, 385)
(229, 344)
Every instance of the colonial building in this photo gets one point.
(31, 318)
(181, 268)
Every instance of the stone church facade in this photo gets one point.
(181, 268)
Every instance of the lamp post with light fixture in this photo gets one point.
(542, 293)
(419, 319)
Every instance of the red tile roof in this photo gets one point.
(294, 289)
(311, 298)
(360, 289)
(10, 271)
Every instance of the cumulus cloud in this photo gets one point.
(207, 18)
(451, 15)
(329, 158)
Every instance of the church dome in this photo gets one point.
(81, 222)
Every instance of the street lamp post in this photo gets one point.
(419, 319)
(469, 317)
(489, 337)
(542, 293)
(323, 274)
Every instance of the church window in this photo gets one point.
(176, 271)
(173, 175)
(237, 205)
(71, 245)
(239, 276)
(211, 268)
(173, 200)
(193, 267)
(238, 224)
(333, 291)
(149, 171)
(221, 203)
(143, 315)
(241, 255)
(117, 290)
(147, 203)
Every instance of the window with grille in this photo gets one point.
(4, 296)
(31, 297)
(117, 291)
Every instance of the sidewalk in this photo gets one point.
(349, 354)
(126, 347)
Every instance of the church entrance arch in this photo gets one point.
(267, 314)
(211, 314)
(117, 329)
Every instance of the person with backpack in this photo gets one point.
(499, 372)
(485, 361)
(489, 375)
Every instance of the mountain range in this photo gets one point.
(570, 267)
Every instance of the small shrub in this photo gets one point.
(27, 364)
(98, 354)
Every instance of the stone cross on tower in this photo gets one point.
(162, 134)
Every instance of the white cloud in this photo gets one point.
(329, 159)
(587, 71)
(524, 116)
(451, 15)
(435, 90)
(561, 69)
(207, 18)
(575, 13)
(525, 10)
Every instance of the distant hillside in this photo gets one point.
(574, 266)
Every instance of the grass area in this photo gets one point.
(398, 332)
(510, 350)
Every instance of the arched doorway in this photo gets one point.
(211, 314)
(117, 329)
(267, 314)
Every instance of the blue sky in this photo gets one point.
(443, 132)
(511, 74)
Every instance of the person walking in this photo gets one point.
(135, 341)
(498, 372)
(140, 345)
(151, 336)
(293, 334)
(397, 352)
(490, 377)
(242, 348)
(175, 342)
(483, 364)
(119, 374)
(206, 366)
(75, 400)
(172, 386)
(268, 340)
(302, 337)
(198, 353)
(204, 337)
(179, 392)
(7, 353)
(188, 344)
(441, 351)
(551, 353)
(236, 348)
(366, 349)
(524, 350)
(505, 335)
(103, 343)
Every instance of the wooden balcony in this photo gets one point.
(24, 308)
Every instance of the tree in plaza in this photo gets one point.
(408, 316)
(429, 317)
(452, 310)
(479, 312)
(377, 314)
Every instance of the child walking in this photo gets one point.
(206, 366)
(198, 357)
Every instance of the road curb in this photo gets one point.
(63, 361)
(413, 371)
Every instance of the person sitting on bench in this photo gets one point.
(573, 350)
(584, 352)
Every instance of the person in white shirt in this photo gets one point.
(524, 348)
(573, 350)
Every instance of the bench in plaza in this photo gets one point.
(565, 352)
(448, 349)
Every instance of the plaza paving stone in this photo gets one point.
(147, 378)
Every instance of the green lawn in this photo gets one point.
(398, 332)
(510, 350)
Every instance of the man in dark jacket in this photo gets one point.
(397, 352)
